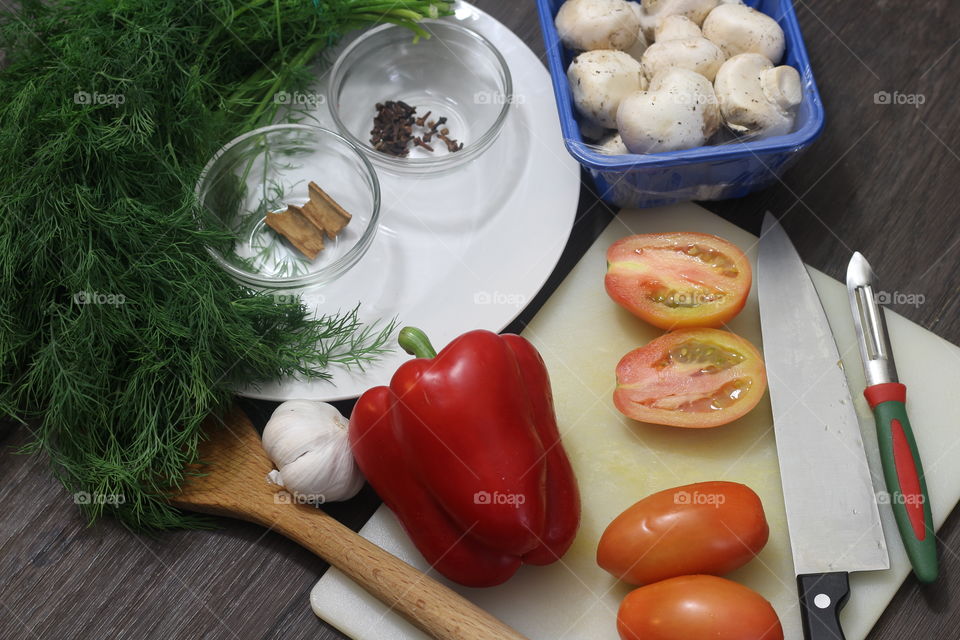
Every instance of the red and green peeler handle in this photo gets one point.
(904, 476)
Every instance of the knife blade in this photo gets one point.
(831, 506)
(902, 469)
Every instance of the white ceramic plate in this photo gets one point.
(464, 250)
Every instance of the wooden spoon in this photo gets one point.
(235, 485)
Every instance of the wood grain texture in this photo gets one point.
(232, 482)
(883, 179)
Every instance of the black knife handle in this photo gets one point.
(822, 596)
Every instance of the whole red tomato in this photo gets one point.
(697, 608)
(708, 527)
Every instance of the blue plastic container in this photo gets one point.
(719, 172)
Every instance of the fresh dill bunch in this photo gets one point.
(119, 334)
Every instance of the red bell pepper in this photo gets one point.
(464, 448)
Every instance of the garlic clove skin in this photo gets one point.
(321, 475)
(308, 443)
(294, 427)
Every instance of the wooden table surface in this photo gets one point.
(883, 179)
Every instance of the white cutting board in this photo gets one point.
(582, 334)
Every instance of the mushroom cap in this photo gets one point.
(599, 80)
(737, 28)
(591, 131)
(642, 43)
(676, 27)
(613, 145)
(585, 25)
(678, 111)
(680, 44)
(756, 97)
(654, 11)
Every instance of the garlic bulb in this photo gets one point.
(307, 442)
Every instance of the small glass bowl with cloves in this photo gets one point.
(420, 105)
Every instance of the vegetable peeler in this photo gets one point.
(902, 468)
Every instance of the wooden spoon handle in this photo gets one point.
(427, 604)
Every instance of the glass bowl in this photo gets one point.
(456, 73)
(263, 171)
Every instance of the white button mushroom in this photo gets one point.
(737, 29)
(676, 28)
(613, 145)
(678, 111)
(591, 131)
(636, 51)
(654, 11)
(756, 97)
(680, 43)
(639, 47)
(585, 25)
(599, 80)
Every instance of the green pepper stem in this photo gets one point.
(416, 343)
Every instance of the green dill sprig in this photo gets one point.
(119, 334)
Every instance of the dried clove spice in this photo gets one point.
(418, 141)
(452, 145)
(393, 129)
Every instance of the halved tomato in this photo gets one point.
(691, 378)
(675, 280)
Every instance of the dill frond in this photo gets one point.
(118, 333)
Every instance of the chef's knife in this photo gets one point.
(887, 397)
(831, 506)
